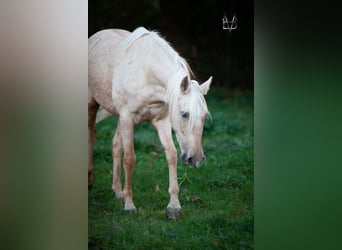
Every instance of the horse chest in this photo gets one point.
(150, 112)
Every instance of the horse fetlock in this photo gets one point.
(174, 203)
(174, 191)
(118, 191)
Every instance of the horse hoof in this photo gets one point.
(173, 213)
(130, 210)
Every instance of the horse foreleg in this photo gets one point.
(126, 128)
(164, 129)
(117, 152)
(92, 109)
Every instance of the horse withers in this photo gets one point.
(140, 77)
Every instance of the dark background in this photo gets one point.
(194, 29)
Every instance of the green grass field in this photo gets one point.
(216, 199)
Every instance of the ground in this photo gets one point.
(217, 199)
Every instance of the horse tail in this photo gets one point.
(102, 114)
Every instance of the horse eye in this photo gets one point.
(185, 114)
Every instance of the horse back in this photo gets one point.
(101, 56)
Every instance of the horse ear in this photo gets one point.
(185, 85)
(206, 85)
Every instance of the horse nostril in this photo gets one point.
(190, 159)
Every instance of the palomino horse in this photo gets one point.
(139, 77)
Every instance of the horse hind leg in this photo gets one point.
(117, 153)
(92, 109)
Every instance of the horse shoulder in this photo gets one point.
(151, 112)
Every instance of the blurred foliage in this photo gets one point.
(194, 29)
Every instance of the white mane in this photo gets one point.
(180, 70)
(135, 35)
(197, 102)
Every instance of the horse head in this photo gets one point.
(188, 118)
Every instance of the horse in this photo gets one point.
(139, 77)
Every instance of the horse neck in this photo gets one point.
(166, 71)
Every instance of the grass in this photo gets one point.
(216, 199)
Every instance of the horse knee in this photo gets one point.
(129, 160)
(171, 156)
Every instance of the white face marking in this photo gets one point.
(188, 121)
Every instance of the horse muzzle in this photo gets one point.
(192, 161)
